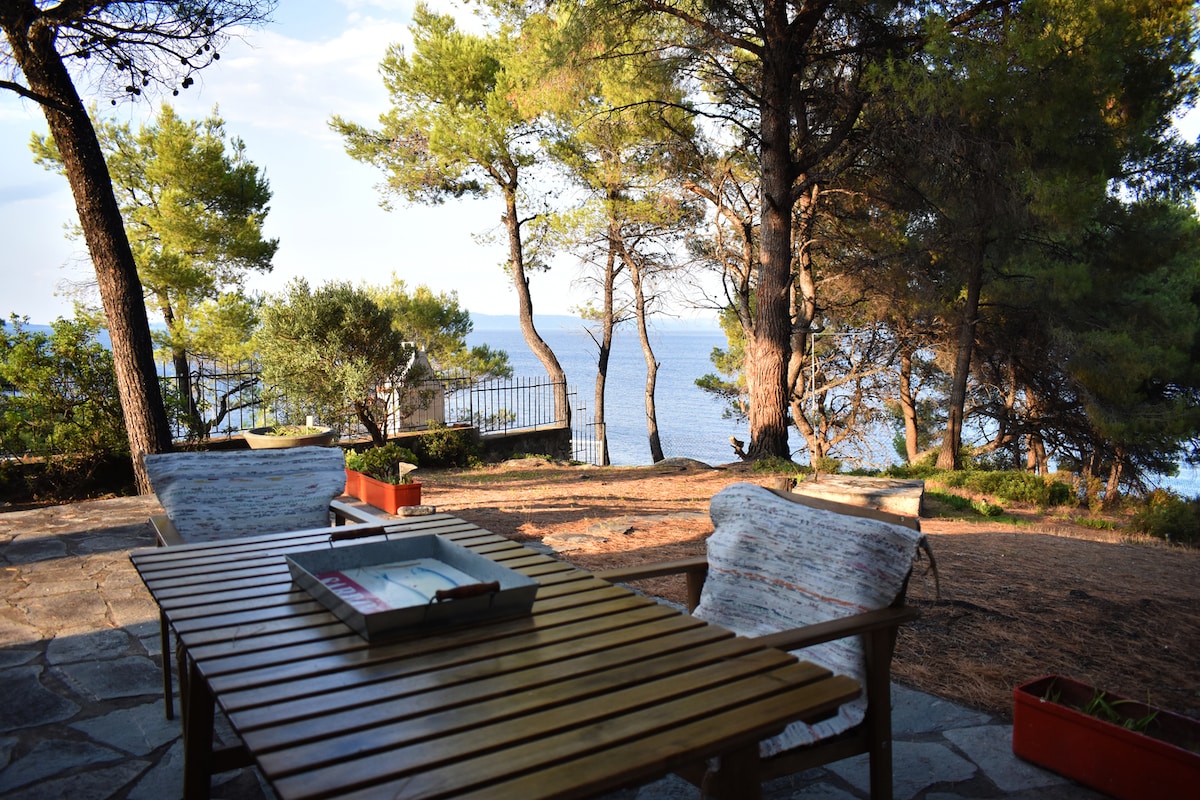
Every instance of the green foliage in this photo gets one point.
(986, 509)
(194, 207)
(1013, 486)
(439, 326)
(954, 501)
(775, 464)
(58, 399)
(443, 446)
(827, 465)
(334, 352)
(1094, 523)
(1102, 707)
(729, 382)
(453, 129)
(920, 470)
(391, 463)
(1165, 515)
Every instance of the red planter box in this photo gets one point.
(352, 484)
(1161, 762)
(388, 496)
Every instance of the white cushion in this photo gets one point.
(223, 495)
(775, 565)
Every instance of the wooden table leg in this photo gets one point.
(736, 776)
(164, 635)
(197, 736)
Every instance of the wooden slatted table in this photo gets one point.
(598, 688)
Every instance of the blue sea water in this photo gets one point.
(691, 422)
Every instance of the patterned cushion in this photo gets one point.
(212, 496)
(774, 565)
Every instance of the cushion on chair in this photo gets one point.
(212, 496)
(775, 565)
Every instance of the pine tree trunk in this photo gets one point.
(104, 232)
(949, 457)
(607, 323)
(639, 299)
(516, 269)
(769, 339)
(908, 408)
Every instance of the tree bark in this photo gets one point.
(639, 300)
(948, 457)
(908, 407)
(516, 269)
(768, 341)
(104, 232)
(607, 323)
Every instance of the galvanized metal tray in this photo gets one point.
(384, 588)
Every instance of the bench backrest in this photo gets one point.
(776, 562)
(222, 495)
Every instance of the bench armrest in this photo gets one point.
(865, 623)
(696, 570)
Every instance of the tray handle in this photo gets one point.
(463, 592)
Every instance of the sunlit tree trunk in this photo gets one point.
(520, 280)
(908, 407)
(638, 278)
(104, 232)
(768, 341)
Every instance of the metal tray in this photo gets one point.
(384, 588)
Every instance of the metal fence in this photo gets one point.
(231, 399)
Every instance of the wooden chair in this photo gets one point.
(212, 496)
(801, 573)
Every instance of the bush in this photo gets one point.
(1168, 516)
(1013, 486)
(1020, 487)
(985, 509)
(442, 446)
(58, 398)
(777, 464)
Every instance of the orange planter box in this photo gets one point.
(1163, 761)
(387, 496)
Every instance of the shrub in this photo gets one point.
(442, 446)
(918, 471)
(1013, 486)
(1020, 487)
(1168, 516)
(777, 464)
(58, 402)
(985, 509)
(334, 351)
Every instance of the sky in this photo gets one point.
(277, 90)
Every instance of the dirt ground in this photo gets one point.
(1047, 596)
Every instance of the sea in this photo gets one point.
(691, 422)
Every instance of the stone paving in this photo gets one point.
(81, 713)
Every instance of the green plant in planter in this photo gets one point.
(1103, 708)
(391, 463)
(279, 429)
